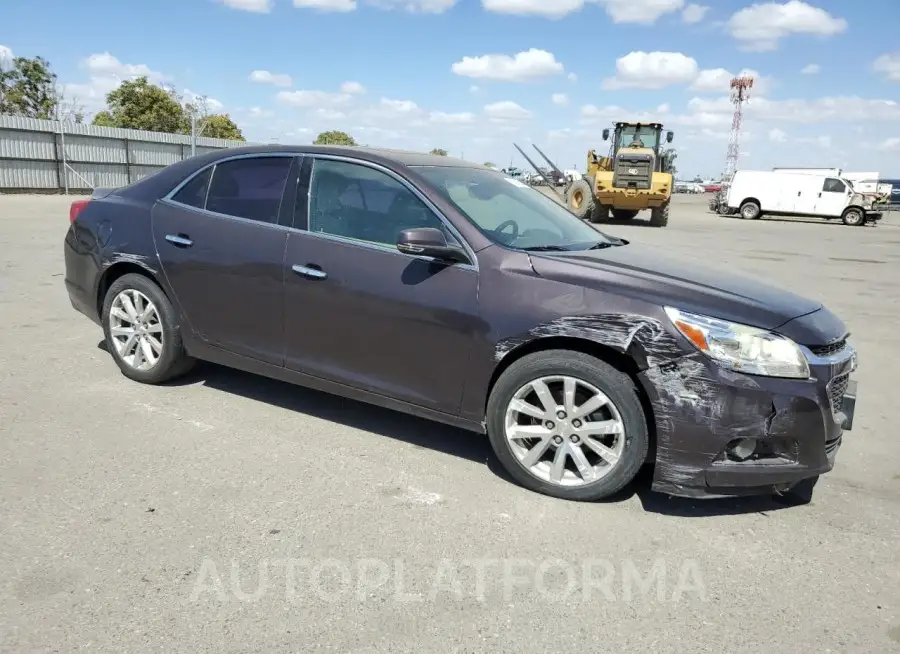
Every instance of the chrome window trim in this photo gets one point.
(215, 214)
(253, 155)
(409, 186)
(382, 247)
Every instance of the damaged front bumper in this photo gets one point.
(721, 433)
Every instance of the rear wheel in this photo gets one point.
(580, 198)
(567, 425)
(142, 331)
(659, 217)
(624, 214)
(853, 217)
(750, 210)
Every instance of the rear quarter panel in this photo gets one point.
(109, 232)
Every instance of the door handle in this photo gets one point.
(179, 240)
(309, 271)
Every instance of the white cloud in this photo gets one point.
(312, 99)
(572, 77)
(890, 145)
(212, 105)
(820, 110)
(326, 113)
(811, 69)
(399, 106)
(267, 77)
(255, 6)
(506, 111)
(415, 6)
(664, 108)
(528, 65)
(718, 80)
(560, 99)
(442, 118)
(889, 66)
(644, 12)
(545, 8)
(761, 27)
(694, 13)
(339, 6)
(777, 136)
(353, 88)
(105, 65)
(652, 70)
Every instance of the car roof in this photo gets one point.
(158, 184)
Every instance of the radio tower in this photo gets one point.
(740, 93)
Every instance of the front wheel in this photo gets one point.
(599, 213)
(750, 211)
(568, 425)
(853, 217)
(142, 331)
(580, 198)
(659, 217)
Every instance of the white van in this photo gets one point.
(753, 193)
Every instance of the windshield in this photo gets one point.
(642, 137)
(512, 213)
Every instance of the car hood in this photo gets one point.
(647, 273)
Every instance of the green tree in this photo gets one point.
(138, 104)
(220, 126)
(439, 152)
(334, 137)
(28, 88)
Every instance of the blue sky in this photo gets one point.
(418, 73)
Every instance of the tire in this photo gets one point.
(624, 214)
(854, 217)
(580, 198)
(599, 213)
(750, 211)
(659, 217)
(800, 494)
(633, 444)
(172, 361)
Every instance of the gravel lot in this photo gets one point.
(230, 513)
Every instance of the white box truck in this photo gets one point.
(753, 193)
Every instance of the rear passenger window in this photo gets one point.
(249, 188)
(193, 193)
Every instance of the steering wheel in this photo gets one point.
(509, 223)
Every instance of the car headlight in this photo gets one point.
(740, 347)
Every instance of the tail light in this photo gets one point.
(76, 209)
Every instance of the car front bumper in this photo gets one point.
(701, 410)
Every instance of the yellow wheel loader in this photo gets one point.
(633, 177)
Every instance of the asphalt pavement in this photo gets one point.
(230, 513)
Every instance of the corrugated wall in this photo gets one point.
(32, 153)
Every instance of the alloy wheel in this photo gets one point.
(564, 431)
(135, 329)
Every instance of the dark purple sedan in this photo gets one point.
(456, 293)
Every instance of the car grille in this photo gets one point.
(836, 389)
(828, 350)
(633, 173)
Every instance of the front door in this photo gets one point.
(358, 311)
(222, 252)
(832, 198)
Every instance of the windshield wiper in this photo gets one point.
(546, 248)
(602, 245)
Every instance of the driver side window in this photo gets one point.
(358, 202)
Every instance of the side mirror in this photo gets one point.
(606, 135)
(670, 136)
(430, 242)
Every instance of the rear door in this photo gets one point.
(221, 241)
(832, 198)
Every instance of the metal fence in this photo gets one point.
(49, 156)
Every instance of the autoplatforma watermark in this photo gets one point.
(331, 580)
